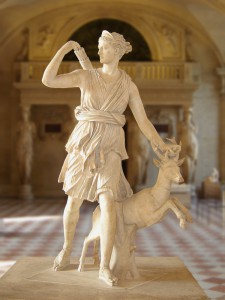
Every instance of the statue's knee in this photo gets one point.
(73, 204)
(107, 202)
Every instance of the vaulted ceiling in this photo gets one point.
(205, 16)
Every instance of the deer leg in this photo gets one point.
(180, 215)
(93, 235)
(183, 209)
(83, 254)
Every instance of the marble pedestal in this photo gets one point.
(161, 278)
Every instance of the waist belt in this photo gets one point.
(95, 115)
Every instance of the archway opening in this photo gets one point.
(87, 36)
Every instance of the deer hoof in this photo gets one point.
(189, 218)
(183, 224)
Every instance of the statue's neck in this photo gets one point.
(110, 69)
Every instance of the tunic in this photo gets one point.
(96, 146)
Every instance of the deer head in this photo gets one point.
(169, 162)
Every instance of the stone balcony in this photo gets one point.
(159, 83)
(141, 72)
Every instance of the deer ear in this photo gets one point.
(156, 162)
(180, 161)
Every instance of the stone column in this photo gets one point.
(221, 72)
(25, 134)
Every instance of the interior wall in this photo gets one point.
(205, 99)
(206, 111)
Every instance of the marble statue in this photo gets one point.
(188, 136)
(214, 177)
(92, 169)
(139, 211)
(212, 186)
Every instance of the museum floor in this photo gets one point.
(35, 229)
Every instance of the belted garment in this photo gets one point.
(97, 144)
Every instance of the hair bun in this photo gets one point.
(128, 47)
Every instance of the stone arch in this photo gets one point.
(74, 24)
(88, 36)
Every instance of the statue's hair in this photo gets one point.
(117, 40)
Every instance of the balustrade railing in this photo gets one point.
(139, 71)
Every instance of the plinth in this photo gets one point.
(161, 278)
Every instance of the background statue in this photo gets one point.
(189, 150)
(139, 157)
(211, 186)
(214, 177)
(26, 132)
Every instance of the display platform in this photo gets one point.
(32, 278)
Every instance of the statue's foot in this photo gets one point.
(106, 275)
(80, 268)
(62, 260)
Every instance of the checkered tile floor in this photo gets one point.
(35, 229)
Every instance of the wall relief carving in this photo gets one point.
(170, 39)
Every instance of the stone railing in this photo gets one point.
(139, 71)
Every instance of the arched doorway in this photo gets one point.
(88, 36)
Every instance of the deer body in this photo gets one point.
(143, 209)
(146, 207)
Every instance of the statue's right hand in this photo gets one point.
(70, 45)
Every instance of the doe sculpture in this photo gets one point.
(143, 209)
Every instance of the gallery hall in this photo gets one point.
(56, 149)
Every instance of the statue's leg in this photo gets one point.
(107, 235)
(70, 219)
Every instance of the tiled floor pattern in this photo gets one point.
(35, 229)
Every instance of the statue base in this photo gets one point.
(161, 278)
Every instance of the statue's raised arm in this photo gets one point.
(68, 80)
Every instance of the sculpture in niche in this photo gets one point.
(214, 177)
(92, 169)
(26, 132)
(44, 36)
(211, 185)
(188, 136)
(22, 54)
(139, 157)
(188, 46)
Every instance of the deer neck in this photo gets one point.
(162, 188)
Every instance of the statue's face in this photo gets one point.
(106, 52)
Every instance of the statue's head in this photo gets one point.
(117, 41)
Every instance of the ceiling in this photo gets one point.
(207, 16)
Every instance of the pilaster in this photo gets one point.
(221, 72)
